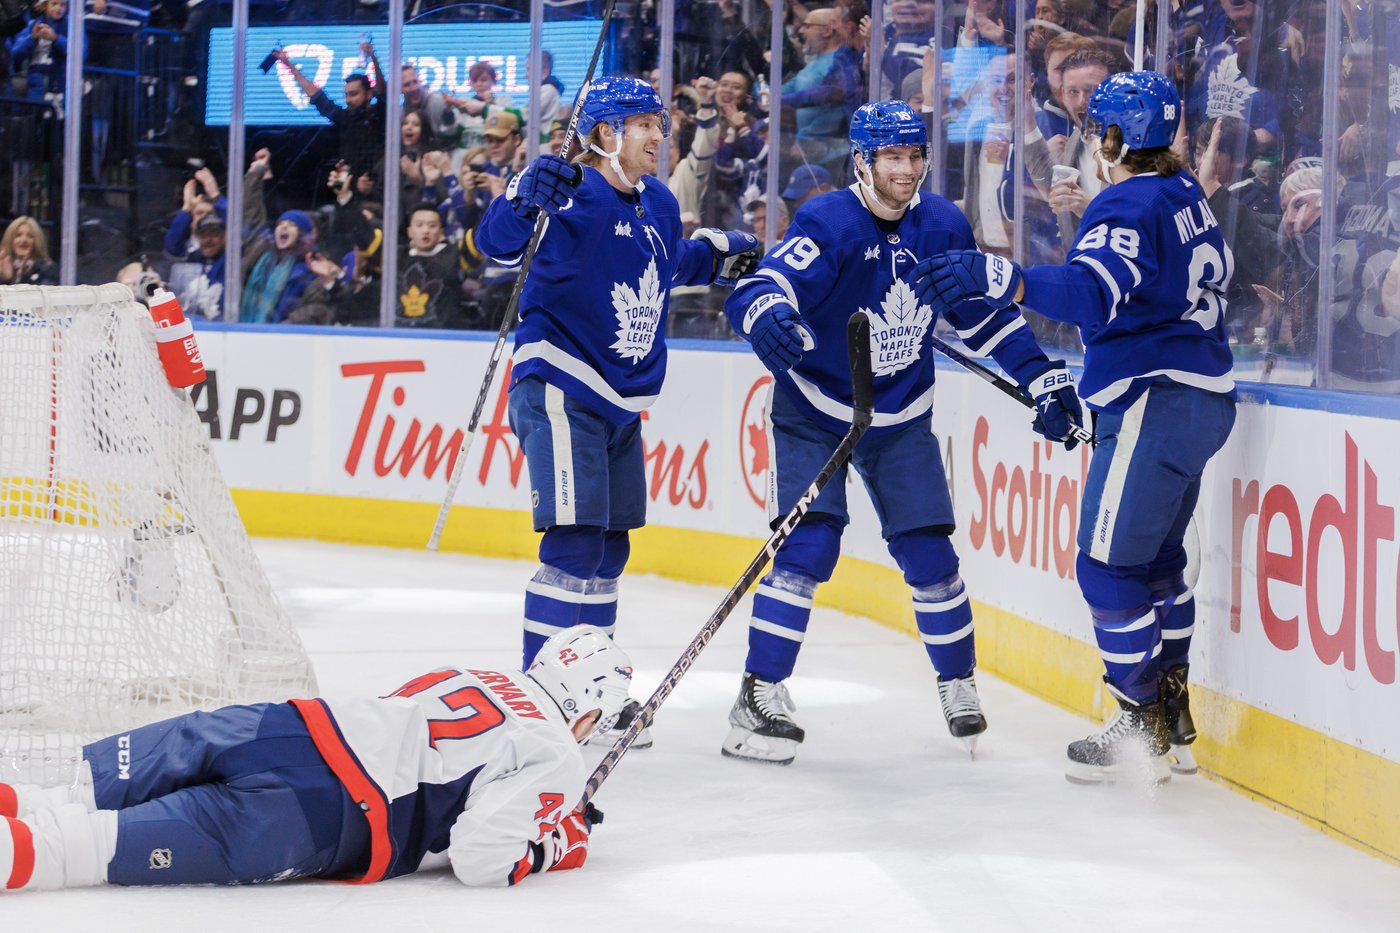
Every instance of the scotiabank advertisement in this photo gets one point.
(1297, 592)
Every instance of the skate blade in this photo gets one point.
(1087, 774)
(1180, 760)
(609, 739)
(745, 745)
(970, 743)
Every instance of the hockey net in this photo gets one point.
(128, 589)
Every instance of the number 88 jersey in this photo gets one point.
(1159, 268)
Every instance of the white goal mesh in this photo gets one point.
(128, 589)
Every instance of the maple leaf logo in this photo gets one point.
(1228, 91)
(417, 292)
(758, 440)
(897, 333)
(638, 314)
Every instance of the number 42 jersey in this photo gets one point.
(460, 767)
(1146, 284)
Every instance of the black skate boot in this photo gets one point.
(763, 729)
(610, 736)
(963, 709)
(1135, 733)
(1181, 728)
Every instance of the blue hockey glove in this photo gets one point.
(1057, 411)
(546, 183)
(960, 274)
(736, 254)
(775, 329)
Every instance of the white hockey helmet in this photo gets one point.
(582, 670)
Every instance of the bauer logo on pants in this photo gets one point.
(160, 858)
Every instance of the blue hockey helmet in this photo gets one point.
(1144, 105)
(886, 123)
(613, 99)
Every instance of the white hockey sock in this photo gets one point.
(24, 799)
(64, 847)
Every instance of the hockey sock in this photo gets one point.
(941, 608)
(63, 847)
(782, 606)
(600, 605)
(1125, 625)
(1175, 604)
(569, 557)
(944, 617)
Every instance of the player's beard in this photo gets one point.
(892, 196)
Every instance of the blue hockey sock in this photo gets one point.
(941, 609)
(944, 617)
(570, 556)
(600, 595)
(781, 609)
(1125, 625)
(1175, 605)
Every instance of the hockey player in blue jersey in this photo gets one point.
(590, 350)
(1146, 285)
(845, 251)
(476, 770)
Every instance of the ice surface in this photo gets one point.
(883, 822)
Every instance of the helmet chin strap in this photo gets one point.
(614, 158)
(865, 177)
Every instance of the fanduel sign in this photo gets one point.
(442, 52)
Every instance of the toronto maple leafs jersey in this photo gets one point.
(460, 767)
(839, 258)
(593, 309)
(1145, 283)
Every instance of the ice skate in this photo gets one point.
(1135, 733)
(610, 736)
(963, 709)
(1181, 728)
(763, 729)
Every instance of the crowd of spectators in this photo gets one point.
(1011, 145)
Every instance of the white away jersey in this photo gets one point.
(839, 258)
(460, 766)
(1146, 284)
(593, 309)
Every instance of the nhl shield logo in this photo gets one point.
(160, 858)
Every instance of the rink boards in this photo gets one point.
(1294, 661)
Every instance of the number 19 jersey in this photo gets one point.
(1154, 307)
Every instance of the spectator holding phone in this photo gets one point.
(360, 121)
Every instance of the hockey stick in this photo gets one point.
(1192, 540)
(512, 307)
(863, 410)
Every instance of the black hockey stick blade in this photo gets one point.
(862, 413)
(862, 377)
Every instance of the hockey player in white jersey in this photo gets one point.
(475, 769)
(590, 351)
(845, 251)
(1146, 285)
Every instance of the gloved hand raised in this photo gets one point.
(776, 331)
(1057, 409)
(736, 254)
(959, 274)
(545, 184)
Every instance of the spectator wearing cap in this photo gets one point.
(502, 133)
(275, 258)
(481, 104)
(201, 196)
(805, 183)
(756, 218)
(205, 293)
(557, 131)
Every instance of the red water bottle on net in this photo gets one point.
(179, 354)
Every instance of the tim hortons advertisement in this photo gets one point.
(1297, 594)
